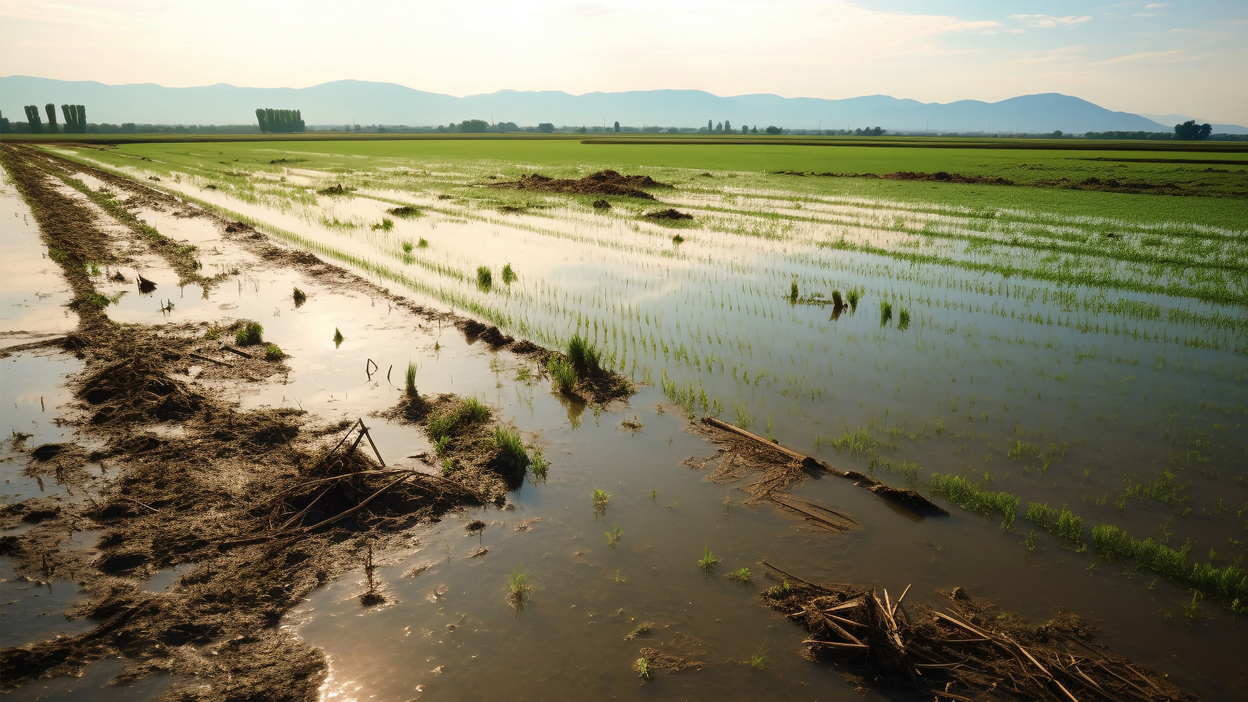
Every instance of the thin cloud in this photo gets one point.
(1170, 56)
(1047, 21)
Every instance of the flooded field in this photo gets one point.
(1054, 380)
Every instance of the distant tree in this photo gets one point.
(282, 121)
(1057, 134)
(545, 127)
(719, 127)
(727, 126)
(473, 126)
(33, 121)
(775, 130)
(673, 130)
(709, 126)
(754, 129)
(581, 130)
(1190, 131)
(51, 110)
(617, 127)
(4, 125)
(128, 128)
(75, 119)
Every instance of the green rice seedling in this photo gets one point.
(338, 338)
(859, 443)
(485, 279)
(563, 374)
(1031, 540)
(473, 410)
(97, 300)
(886, 312)
(780, 590)
(741, 575)
(1020, 450)
(213, 333)
(441, 444)
(511, 449)
(407, 247)
(423, 243)
(793, 292)
(640, 630)
(250, 334)
(448, 466)
(678, 240)
(518, 588)
(299, 297)
(903, 320)
(853, 295)
(385, 225)
(601, 499)
(409, 379)
(584, 357)
(837, 302)
(708, 561)
(509, 275)
(1228, 584)
(643, 669)
(961, 492)
(273, 352)
(1190, 608)
(614, 534)
(759, 660)
(537, 463)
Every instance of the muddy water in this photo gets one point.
(33, 296)
(587, 595)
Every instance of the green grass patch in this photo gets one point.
(250, 334)
(1228, 584)
(964, 494)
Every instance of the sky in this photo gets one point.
(1188, 57)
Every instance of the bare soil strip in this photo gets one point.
(601, 183)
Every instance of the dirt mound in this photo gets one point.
(668, 215)
(601, 205)
(474, 331)
(601, 183)
(970, 651)
(939, 177)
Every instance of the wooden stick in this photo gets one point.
(231, 349)
(815, 642)
(210, 360)
(369, 373)
(741, 432)
(358, 507)
(307, 509)
(787, 574)
(380, 460)
(899, 599)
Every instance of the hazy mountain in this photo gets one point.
(1179, 119)
(342, 102)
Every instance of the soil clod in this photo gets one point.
(606, 182)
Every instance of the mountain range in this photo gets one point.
(362, 102)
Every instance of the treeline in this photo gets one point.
(1187, 131)
(279, 121)
(75, 120)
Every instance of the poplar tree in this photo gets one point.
(32, 119)
(51, 110)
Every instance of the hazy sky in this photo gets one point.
(1187, 57)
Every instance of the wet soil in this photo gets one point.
(1103, 185)
(969, 651)
(606, 182)
(669, 214)
(258, 507)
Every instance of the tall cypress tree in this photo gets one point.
(51, 110)
(32, 119)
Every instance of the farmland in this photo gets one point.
(1061, 361)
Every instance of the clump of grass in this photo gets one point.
(509, 275)
(853, 295)
(1229, 584)
(886, 312)
(837, 301)
(779, 590)
(299, 297)
(793, 292)
(511, 449)
(678, 240)
(903, 320)
(406, 211)
(448, 466)
(423, 243)
(643, 669)
(409, 380)
(97, 300)
(537, 463)
(407, 247)
(601, 499)
(485, 279)
(250, 334)
(92, 269)
(759, 659)
(585, 358)
(473, 409)
(338, 338)
(1030, 541)
(446, 422)
(273, 352)
(614, 534)
(1063, 522)
(708, 561)
(518, 588)
(962, 493)
(859, 443)
(56, 254)
(385, 225)
(213, 333)
(741, 575)
(563, 374)
(441, 444)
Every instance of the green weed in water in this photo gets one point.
(903, 320)
(273, 352)
(423, 243)
(759, 660)
(518, 587)
(407, 247)
(385, 225)
(961, 492)
(853, 295)
(509, 275)
(485, 279)
(741, 575)
(708, 561)
(563, 374)
(299, 297)
(338, 338)
(538, 464)
(1063, 522)
(643, 669)
(1031, 540)
(793, 293)
(859, 443)
(584, 358)
(511, 448)
(886, 313)
(614, 535)
(250, 334)
(1228, 584)
(601, 499)
(409, 380)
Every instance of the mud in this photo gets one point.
(961, 649)
(669, 214)
(1102, 185)
(257, 507)
(939, 176)
(601, 183)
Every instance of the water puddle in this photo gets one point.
(93, 685)
(34, 384)
(34, 610)
(168, 577)
(34, 294)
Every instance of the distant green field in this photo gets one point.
(1226, 183)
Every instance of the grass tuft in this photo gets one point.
(250, 334)
(485, 279)
(509, 275)
(708, 561)
(338, 337)
(886, 312)
(741, 575)
(585, 358)
(273, 352)
(409, 380)
(511, 447)
(563, 374)
(962, 493)
(1228, 584)
(299, 297)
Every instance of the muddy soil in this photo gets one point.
(601, 183)
(669, 214)
(257, 507)
(1098, 184)
(969, 651)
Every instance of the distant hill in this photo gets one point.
(347, 101)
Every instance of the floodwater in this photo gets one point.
(973, 373)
